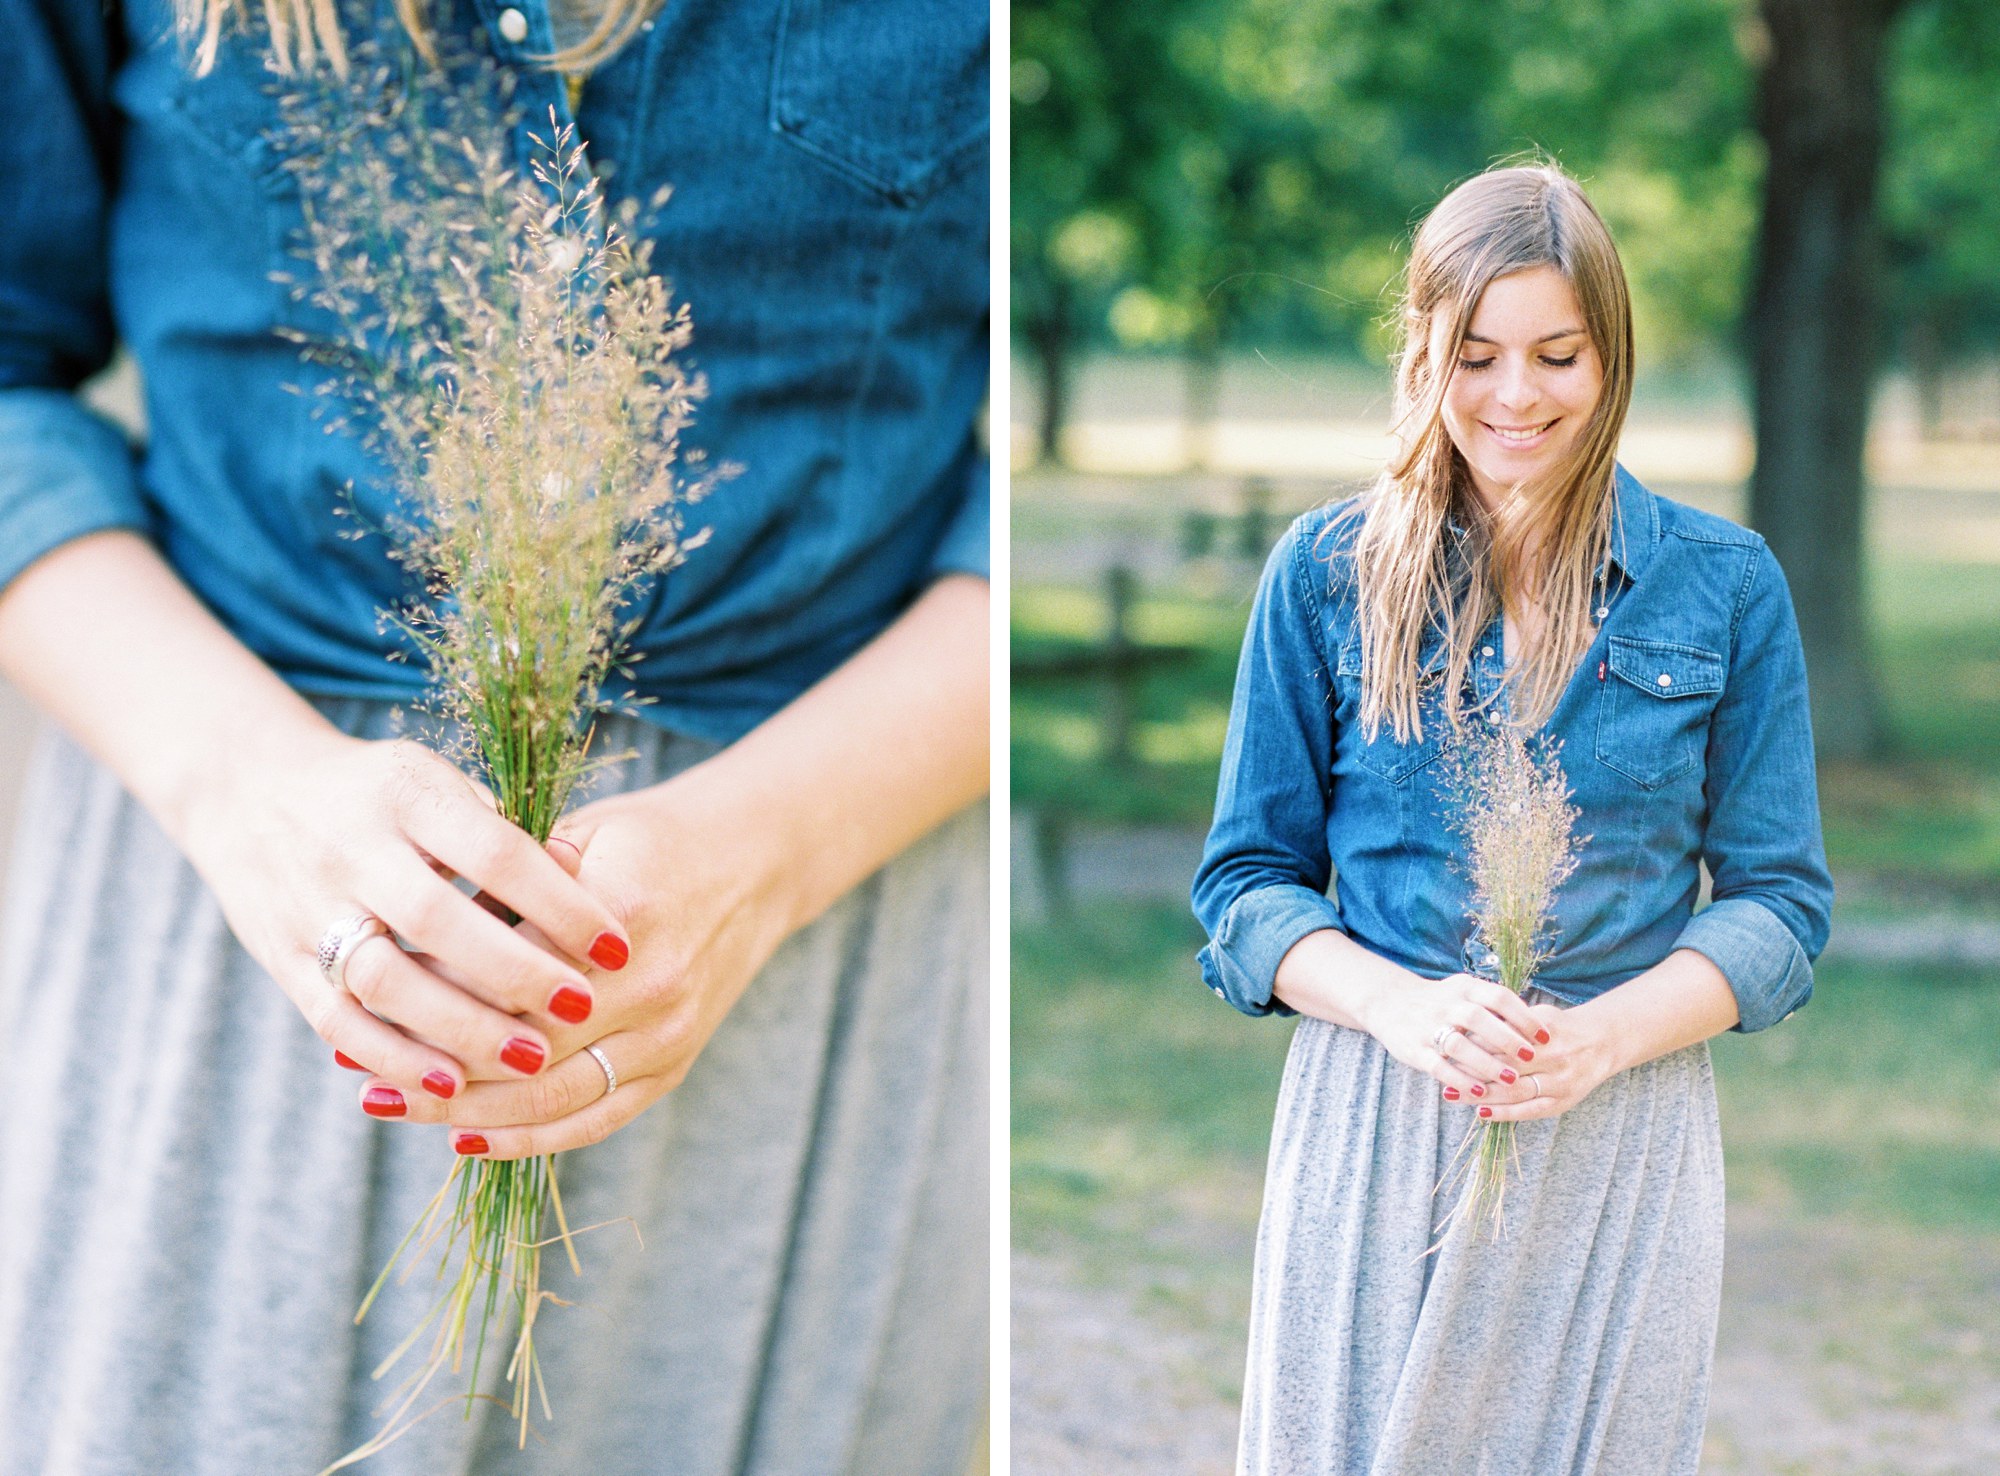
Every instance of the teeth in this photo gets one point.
(1519, 435)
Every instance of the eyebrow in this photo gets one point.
(1545, 338)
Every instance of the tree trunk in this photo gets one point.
(1203, 363)
(1815, 329)
(1051, 335)
(1925, 352)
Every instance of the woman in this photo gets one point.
(1505, 570)
(762, 993)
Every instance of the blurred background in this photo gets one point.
(1210, 201)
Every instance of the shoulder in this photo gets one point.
(1315, 548)
(1709, 559)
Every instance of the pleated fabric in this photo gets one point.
(192, 1205)
(1579, 1342)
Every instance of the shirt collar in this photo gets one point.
(1635, 524)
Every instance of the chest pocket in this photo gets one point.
(1393, 760)
(891, 95)
(1654, 707)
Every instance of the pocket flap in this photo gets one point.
(1666, 669)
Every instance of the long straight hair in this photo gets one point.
(305, 32)
(1542, 543)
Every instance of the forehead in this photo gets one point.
(1524, 306)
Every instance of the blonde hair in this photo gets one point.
(302, 32)
(1544, 541)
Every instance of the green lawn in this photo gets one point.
(1142, 1105)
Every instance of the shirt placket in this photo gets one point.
(520, 32)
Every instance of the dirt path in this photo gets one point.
(1843, 1351)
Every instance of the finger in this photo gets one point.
(568, 1086)
(493, 961)
(506, 863)
(1472, 1058)
(1543, 1106)
(565, 854)
(396, 987)
(1455, 1080)
(593, 1124)
(361, 1042)
(1498, 1019)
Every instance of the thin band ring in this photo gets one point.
(610, 1076)
(337, 945)
(1538, 1084)
(1444, 1035)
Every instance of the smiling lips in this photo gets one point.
(1520, 437)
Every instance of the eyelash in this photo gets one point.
(1473, 366)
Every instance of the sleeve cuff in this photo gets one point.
(966, 547)
(1241, 964)
(1765, 965)
(65, 472)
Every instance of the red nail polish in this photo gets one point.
(1507, 1075)
(1486, 1112)
(341, 1058)
(440, 1085)
(571, 1004)
(1478, 1090)
(1451, 1094)
(1526, 1054)
(523, 1055)
(383, 1101)
(609, 951)
(1542, 1037)
(469, 1143)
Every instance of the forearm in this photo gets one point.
(1330, 976)
(862, 764)
(1680, 1000)
(105, 638)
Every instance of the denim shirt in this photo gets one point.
(828, 228)
(1685, 738)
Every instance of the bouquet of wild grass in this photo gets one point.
(1509, 805)
(518, 371)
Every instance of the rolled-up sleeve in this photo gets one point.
(1262, 882)
(967, 544)
(64, 471)
(1772, 898)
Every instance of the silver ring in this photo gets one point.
(610, 1076)
(1538, 1084)
(1444, 1035)
(337, 945)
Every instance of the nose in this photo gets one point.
(1517, 389)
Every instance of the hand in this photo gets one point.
(705, 910)
(1495, 1032)
(1575, 1065)
(342, 826)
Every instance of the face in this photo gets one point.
(1526, 380)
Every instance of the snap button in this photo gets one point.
(1486, 650)
(1602, 611)
(1665, 680)
(513, 25)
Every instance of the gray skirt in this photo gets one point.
(192, 1205)
(1580, 1341)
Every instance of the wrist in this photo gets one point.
(213, 792)
(732, 825)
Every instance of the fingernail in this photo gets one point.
(469, 1143)
(1526, 1054)
(341, 1058)
(1507, 1075)
(1486, 1112)
(571, 1004)
(1542, 1037)
(574, 850)
(1451, 1094)
(609, 951)
(1478, 1091)
(523, 1055)
(440, 1085)
(383, 1101)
